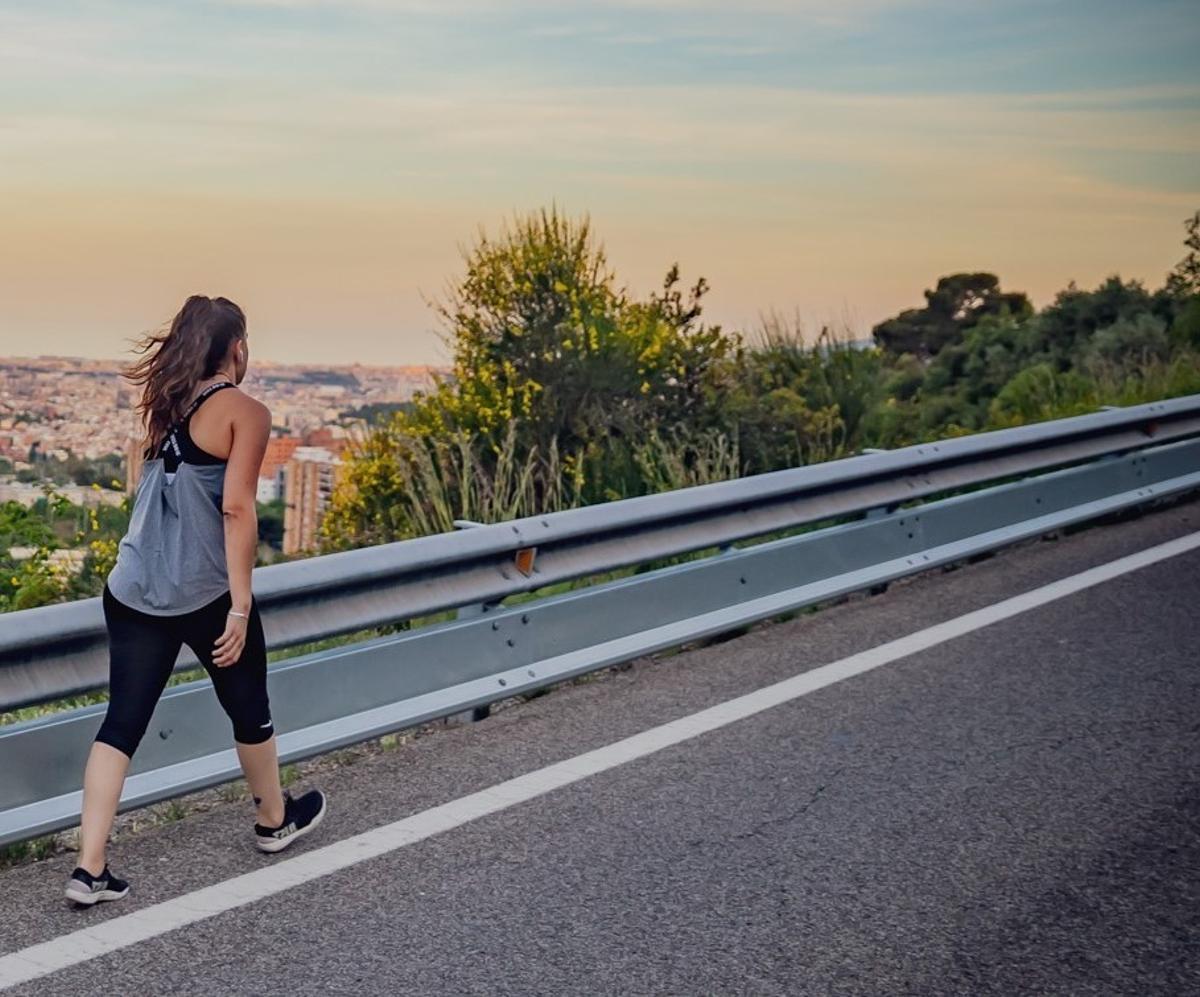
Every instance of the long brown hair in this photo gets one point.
(175, 361)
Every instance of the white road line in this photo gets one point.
(120, 932)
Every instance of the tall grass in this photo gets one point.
(403, 485)
(676, 458)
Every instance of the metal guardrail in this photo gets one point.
(57, 651)
(332, 698)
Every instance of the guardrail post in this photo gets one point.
(877, 513)
(1107, 456)
(477, 713)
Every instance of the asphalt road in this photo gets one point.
(1015, 811)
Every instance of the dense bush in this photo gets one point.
(50, 525)
(566, 390)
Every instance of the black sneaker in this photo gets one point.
(84, 888)
(299, 817)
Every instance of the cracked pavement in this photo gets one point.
(1015, 811)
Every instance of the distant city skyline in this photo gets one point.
(119, 361)
(322, 162)
(66, 406)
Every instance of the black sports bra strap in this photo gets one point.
(169, 441)
(212, 389)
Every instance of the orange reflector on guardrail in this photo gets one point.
(524, 560)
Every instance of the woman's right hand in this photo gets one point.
(228, 648)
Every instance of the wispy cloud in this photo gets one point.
(792, 150)
(824, 9)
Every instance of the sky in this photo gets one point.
(325, 163)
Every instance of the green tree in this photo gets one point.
(1185, 329)
(270, 523)
(961, 381)
(533, 320)
(554, 365)
(956, 304)
(1061, 331)
(1128, 345)
(541, 334)
(1184, 280)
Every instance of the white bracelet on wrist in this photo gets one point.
(240, 616)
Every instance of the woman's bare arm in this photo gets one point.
(251, 430)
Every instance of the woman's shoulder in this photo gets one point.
(239, 404)
(248, 410)
(234, 408)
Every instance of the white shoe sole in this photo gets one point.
(272, 845)
(88, 899)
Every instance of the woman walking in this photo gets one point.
(183, 577)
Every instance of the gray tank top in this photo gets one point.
(172, 559)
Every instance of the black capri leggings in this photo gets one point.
(142, 650)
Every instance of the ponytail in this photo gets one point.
(175, 361)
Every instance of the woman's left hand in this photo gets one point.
(228, 648)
